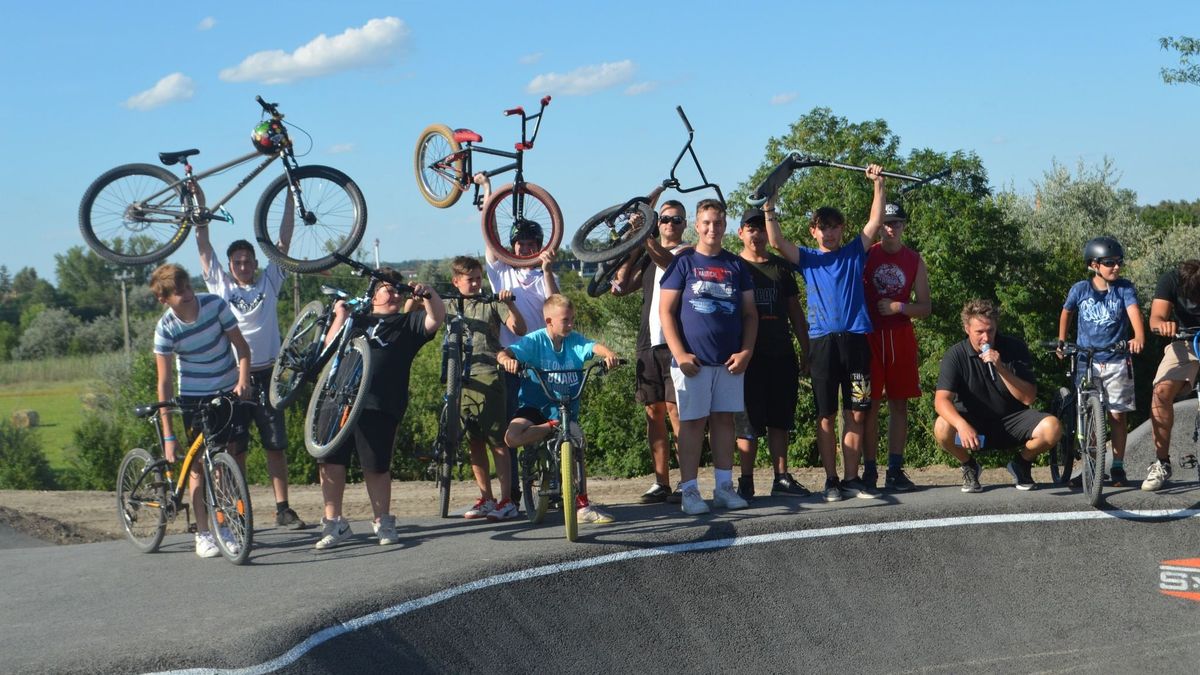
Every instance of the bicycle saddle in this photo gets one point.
(467, 136)
(169, 158)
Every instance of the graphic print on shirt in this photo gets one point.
(889, 280)
(246, 304)
(713, 291)
(1100, 313)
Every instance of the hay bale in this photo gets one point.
(23, 419)
(91, 401)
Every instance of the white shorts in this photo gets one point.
(711, 390)
(1115, 383)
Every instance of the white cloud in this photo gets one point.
(372, 44)
(206, 23)
(341, 148)
(584, 80)
(174, 87)
(530, 59)
(781, 99)
(640, 88)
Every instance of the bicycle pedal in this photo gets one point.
(1187, 462)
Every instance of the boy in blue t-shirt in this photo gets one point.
(1103, 302)
(839, 353)
(555, 347)
(709, 320)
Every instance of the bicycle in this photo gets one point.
(149, 494)
(444, 161)
(601, 281)
(457, 346)
(1082, 410)
(342, 368)
(138, 214)
(552, 470)
(614, 232)
(796, 161)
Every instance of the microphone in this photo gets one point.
(983, 349)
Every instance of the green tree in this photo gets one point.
(48, 334)
(88, 282)
(1187, 72)
(23, 465)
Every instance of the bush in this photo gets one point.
(23, 465)
(100, 335)
(49, 334)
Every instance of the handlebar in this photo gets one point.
(359, 269)
(271, 108)
(1071, 348)
(794, 161)
(515, 111)
(481, 296)
(686, 123)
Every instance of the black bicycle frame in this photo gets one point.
(673, 182)
(517, 156)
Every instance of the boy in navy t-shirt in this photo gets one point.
(709, 320)
(1103, 302)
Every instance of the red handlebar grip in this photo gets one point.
(515, 111)
(545, 101)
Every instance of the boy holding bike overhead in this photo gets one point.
(555, 347)
(1103, 302)
(200, 334)
(483, 396)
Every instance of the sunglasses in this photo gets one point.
(1111, 262)
(674, 220)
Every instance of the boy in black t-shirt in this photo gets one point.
(1176, 306)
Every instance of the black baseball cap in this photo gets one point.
(754, 218)
(893, 212)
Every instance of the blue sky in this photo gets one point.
(88, 86)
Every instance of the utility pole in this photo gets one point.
(125, 315)
(377, 253)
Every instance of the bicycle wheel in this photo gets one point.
(501, 211)
(291, 366)
(337, 399)
(134, 214)
(230, 515)
(334, 221)
(1062, 454)
(1094, 449)
(566, 457)
(610, 234)
(438, 163)
(451, 422)
(142, 500)
(535, 482)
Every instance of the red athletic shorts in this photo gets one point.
(894, 364)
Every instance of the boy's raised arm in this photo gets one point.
(775, 237)
(871, 229)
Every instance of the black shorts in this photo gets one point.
(771, 387)
(270, 422)
(654, 376)
(532, 414)
(230, 423)
(1010, 431)
(840, 360)
(374, 437)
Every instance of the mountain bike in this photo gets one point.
(150, 494)
(614, 232)
(552, 469)
(137, 214)
(444, 165)
(1083, 413)
(457, 346)
(795, 161)
(601, 282)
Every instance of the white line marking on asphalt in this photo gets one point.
(320, 637)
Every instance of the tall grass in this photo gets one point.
(61, 369)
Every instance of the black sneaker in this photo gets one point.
(855, 487)
(787, 486)
(833, 490)
(970, 474)
(870, 477)
(1022, 473)
(1119, 479)
(745, 488)
(675, 497)
(896, 481)
(288, 518)
(657, 494)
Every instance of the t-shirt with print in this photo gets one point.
(1102, 316)
(970, 379)
(891, 276)
(710, 307)
(528, 285)
(254, 306)
(537, 349)
(834, 280)
(1187, 312)
(774, 284)
(204, 356)
(481, 321)
(394, 340)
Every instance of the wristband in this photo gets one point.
(902, 306)
(168, 438)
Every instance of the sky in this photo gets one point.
(88, 86)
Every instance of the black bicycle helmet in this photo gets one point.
(524, 230)
(1102, 247)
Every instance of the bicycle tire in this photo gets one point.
(592, 244)
(444, 469)
(114, 219)
(535, 204)
(336, 220)
(566, 458)
(230, 509)
(1094, 449)
(291, 366)
(435, 144)
(1062, 454)
(142, 501)
(337, 397)
(451, 422)
(533, 483)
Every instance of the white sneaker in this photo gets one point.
(692, 503)
(1157, 476)
(206, 546)
(481, 509)
(725, 497)
(231, 543)
(333, 532)
(385, 529)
